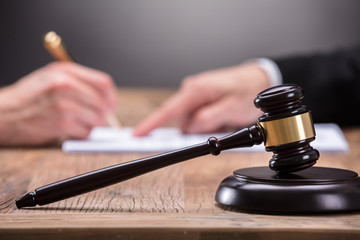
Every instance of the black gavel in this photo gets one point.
(286, 128)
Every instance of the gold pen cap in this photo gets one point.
(53, 44)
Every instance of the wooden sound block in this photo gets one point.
(316, 189)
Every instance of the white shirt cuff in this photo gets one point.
(271, 69)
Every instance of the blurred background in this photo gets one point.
(156, 43)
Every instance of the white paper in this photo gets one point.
(329, 138)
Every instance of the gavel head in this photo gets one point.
(287, 127)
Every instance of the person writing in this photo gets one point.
(58, 101)
(217, 99)
(66, 100)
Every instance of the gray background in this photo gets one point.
(159, 42)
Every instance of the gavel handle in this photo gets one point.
(117, 173)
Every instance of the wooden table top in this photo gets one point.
(175, 202)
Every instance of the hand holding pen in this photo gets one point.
(58, 101)
(54, 45)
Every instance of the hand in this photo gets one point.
(61, 100)
(212, 100)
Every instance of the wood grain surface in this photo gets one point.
(175, 202)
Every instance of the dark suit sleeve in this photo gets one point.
(331, 83)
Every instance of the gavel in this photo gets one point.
(286, 128)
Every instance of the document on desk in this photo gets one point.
(329, 138)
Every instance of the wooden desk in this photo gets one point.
(171, 203)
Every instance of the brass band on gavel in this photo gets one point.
(288, 130)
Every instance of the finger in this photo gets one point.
(51, 121)
(74, 120)
(99, 80)
(74, 130)
(178, 106)
(66, 86)
(54, 82)
(73, 110)
(212, 117)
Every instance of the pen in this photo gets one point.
(54, 45)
